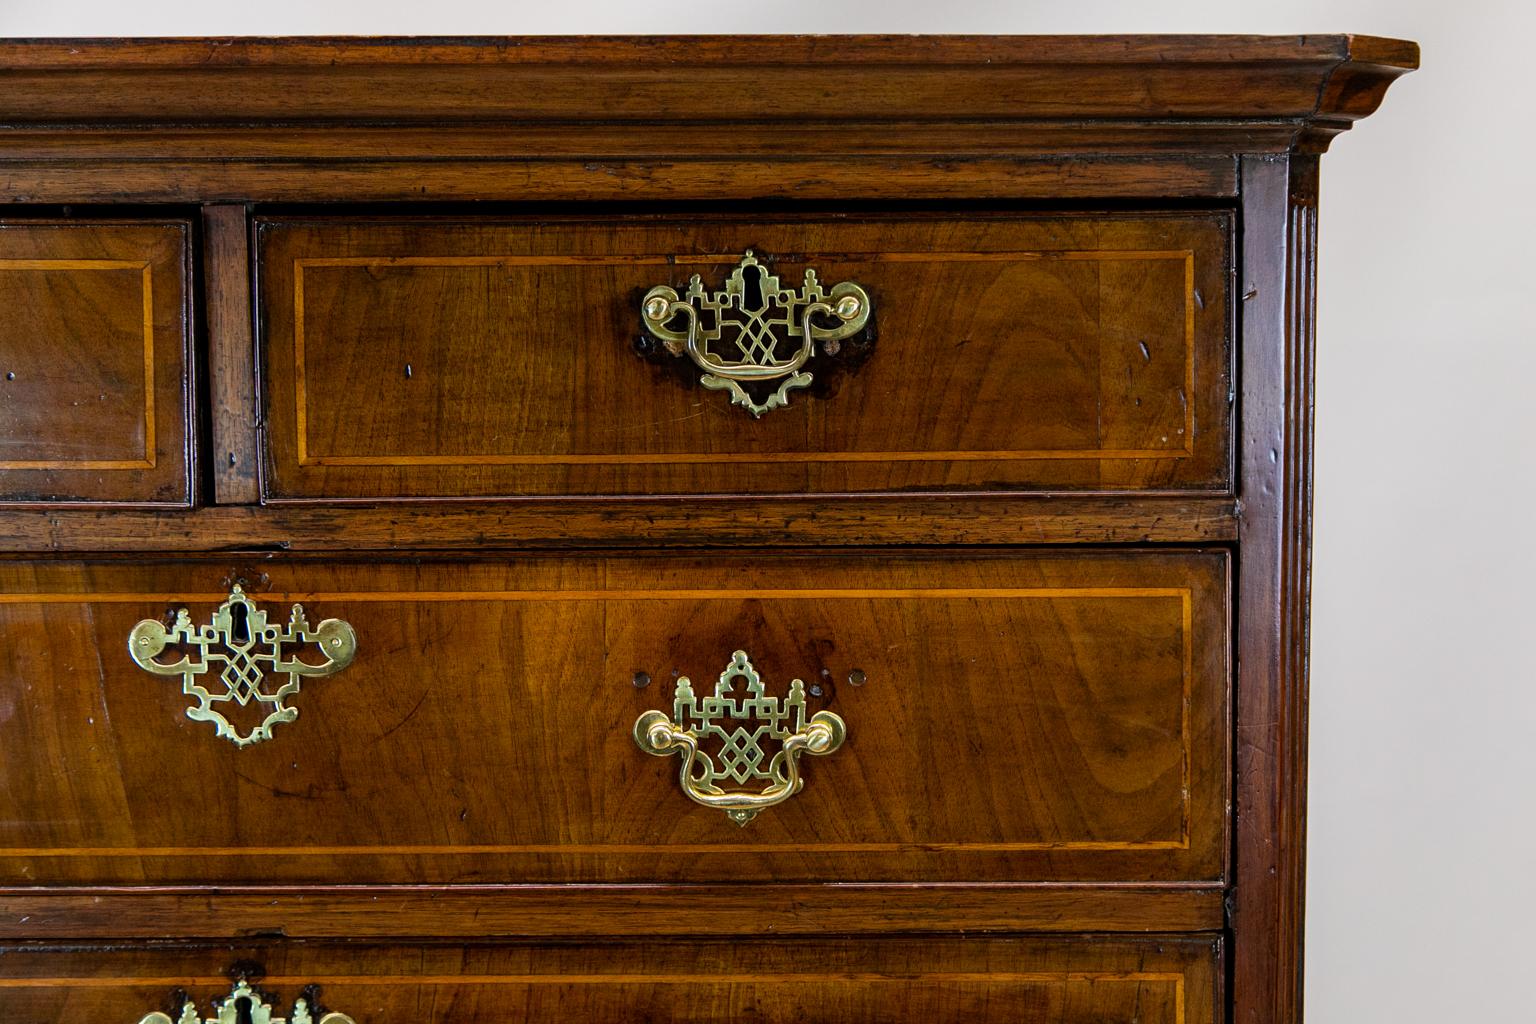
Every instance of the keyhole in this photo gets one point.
(752, 289)
(239, 626)
(243, 1011)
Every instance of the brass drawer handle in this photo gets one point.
(741, 757)
(241, 649)
(734, 335)
(244, 1004)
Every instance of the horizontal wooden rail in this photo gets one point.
(649, 522)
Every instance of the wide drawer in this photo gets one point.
(95, 340)
(1011, 351)
(1017, 716)
(1066, 980)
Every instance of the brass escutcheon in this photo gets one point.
(237, 652)
(245, 1004)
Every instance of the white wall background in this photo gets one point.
(1422, 881)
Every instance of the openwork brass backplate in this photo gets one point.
(754, 336)
(240, 658)
(720, 738)
(242, 1005)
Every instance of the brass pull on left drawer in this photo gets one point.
(740, 724)
(231, 659)
(244, 1004)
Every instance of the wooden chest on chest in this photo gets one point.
(777, 529)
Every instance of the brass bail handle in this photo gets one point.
(740, 723)
(747, 321)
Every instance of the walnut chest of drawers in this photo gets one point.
(773, 529)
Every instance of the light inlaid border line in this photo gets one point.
(307, 457)
(148, 308)
(1184, 595)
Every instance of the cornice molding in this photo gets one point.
(232, 117)
(704, 78)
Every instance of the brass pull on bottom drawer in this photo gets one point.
(741, 756)
(245, 1003)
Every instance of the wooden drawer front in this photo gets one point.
(94, 342)
(1069, 980)
(1035, 716)
(431, 358)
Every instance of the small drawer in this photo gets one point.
(937, 979)
(1042, 716)
(437, 358)
(95, 393)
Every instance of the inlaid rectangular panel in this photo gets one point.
(1010, 717)
(937, 979)
(95, 395)
(1008, 351)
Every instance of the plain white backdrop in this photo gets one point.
(1422, 878)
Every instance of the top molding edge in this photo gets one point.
(308, 51)
(1174, 87)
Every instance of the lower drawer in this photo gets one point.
(1019, 980)
(1009, 717)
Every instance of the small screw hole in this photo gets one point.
(816, 690)
(856, 677)
(641, 680)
